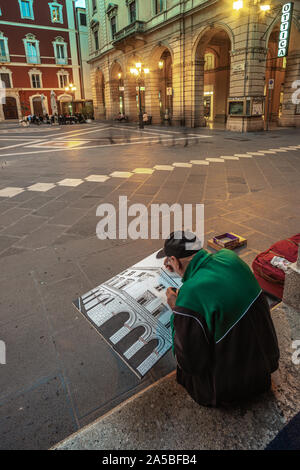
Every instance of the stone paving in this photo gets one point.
(59, 374)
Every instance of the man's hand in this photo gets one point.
(171, 297)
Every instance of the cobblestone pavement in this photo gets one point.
(59, 374)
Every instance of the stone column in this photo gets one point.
(115, 98)
(98, 89)
(288, 117)
(198, 93)
(130, 93)
(247, 81)
(153, 86)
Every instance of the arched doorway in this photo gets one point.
(10, 109)
(211, 78)
(159, 83)
(37, 106)
(65, 104)
(117, 89)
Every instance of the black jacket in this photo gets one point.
(237, 367)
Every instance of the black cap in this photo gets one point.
(178, 245)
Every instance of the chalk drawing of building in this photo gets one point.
(130, 311)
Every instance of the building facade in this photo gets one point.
(40, 55)
(208, 61)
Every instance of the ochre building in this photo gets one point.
(207, 62)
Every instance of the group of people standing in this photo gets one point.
(61, 119)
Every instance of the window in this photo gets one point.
(82, 17)
(113, 25)
(36, 80)
(32, 49)
(158, 6)
(26, 9)
(94, 6)
(209, 61)
(96, 39)
(4, 53)
(5, 79)
(132, 12)
(60, 51)
(56, 12)
(63, 79)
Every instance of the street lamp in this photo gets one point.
(72, 88)
(139, 72)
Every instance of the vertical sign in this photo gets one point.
(285, 29)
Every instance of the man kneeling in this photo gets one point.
(223, 335)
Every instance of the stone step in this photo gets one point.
(163, 416)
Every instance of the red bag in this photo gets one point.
(269, 277)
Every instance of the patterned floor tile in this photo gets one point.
(70, 182)
(121, 174)
(10, 192)
(41, 187)
(143, 171)
(97, 178)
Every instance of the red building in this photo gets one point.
(39, 57)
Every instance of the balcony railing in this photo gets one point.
(134, 28)
(61, 61)
(33, 59)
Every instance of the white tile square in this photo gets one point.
(41, 187)
(164, 167)
(229, 158)
(199, 162)
(70, 182)
(242, 155)
(182, 165)
(97, 178)
(121, 174)
(10, 192)
(144, 171)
